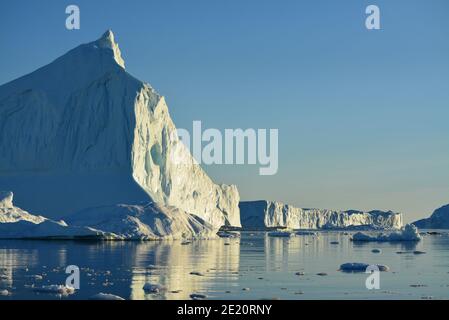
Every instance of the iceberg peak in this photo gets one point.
(107, 40)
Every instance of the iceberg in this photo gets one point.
(360, 267)
(81, 132)
(438, 220)
(269, 214)
(408, 233)
(16, 223)
(149, 221)
(120, 222)
(106, 296)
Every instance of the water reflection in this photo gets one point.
(265, 265)
(170, 264)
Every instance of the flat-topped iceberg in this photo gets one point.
(269, 214)
(408, 233)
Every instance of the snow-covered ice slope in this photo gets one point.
(81, 132)
(144, 222)
(119, 222)
(268, 214)
(438, 220)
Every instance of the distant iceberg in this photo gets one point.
(438, 220)
(269, 214)
(408, 233)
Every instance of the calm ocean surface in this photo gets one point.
(253, 267)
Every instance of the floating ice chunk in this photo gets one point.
(306, 233)
(55, 288)
(228, 234)
(360, 267)
(198, 296)
(105, 296)
(281, 234)
(408, 233)
(153, 288)
(4, 293)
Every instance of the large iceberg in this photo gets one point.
(438, 220)
(269, 214)
(82, 133)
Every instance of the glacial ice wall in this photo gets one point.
(82, 132)
(269, 214)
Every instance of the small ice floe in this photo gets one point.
(228, 234)
(408, 233)
(418, 285)
(306, 233)
(198, 296)
(197, 273)
(56, 289)
(153, 288)
(281, 234)
(376, 250)
(322, 274)
(4, 293)
(418, 252)
(360, 267)
(176, 291)
(105, 296)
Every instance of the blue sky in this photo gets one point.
(362, 115)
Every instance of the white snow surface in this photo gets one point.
(269, 214)
(81, 132)
(408, 233)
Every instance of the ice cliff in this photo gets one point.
(81, 132)
(438, 220)
(269, 214)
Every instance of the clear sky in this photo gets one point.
(363, 116)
